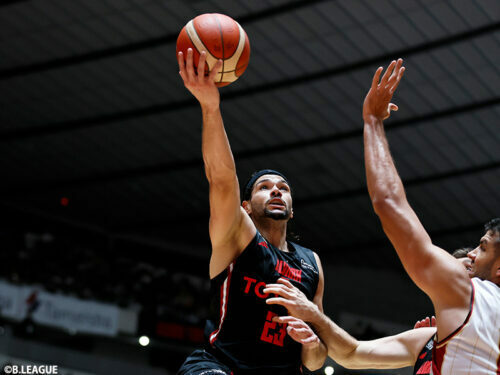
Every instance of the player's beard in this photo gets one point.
(277, 215)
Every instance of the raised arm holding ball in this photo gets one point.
(249, 250)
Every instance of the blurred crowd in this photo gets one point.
(59, 265)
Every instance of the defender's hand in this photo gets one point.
(202, 87)
(425, 322)
(292, 299)
(300, 332)
(377, 103)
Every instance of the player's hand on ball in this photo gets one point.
(378, 100)
(292, 299)
(200, 85)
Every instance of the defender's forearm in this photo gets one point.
(384, 183)
(339, 343)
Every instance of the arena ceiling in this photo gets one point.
(93, 110)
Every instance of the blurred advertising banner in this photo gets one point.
(76, 315)
(11, 303)
(73, 314)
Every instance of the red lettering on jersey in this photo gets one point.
(425, 369)
(249, 281)
(284, 269)
(258, 292)
(278, 336)
(264, 243)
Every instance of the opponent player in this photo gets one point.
(249, 249)
(467, 313)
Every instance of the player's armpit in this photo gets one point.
(230, 234)
(434, 271)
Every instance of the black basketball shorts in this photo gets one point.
(201, 362)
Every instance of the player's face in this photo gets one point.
(485, 261)
(271, 197)
(467, 262)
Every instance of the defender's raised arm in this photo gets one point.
(435, 271)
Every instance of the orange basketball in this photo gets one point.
(220, 37)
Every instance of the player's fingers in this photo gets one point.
(297, 323)
(310, 339)
(395, 71)
(284, 319)
(394, 107)
(388, 73)
(278, 301)
(180, 61)
(280, 291)
(398, 80)
(189, 64)
(376, 77)
(215, 70)
(201, 66)
(298, 332)
(433, 321)
(283, 281)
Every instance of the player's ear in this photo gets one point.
(291, 213)
(247, 206)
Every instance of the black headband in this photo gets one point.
(247, 193)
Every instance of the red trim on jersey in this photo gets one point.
(224, 297)
(498, 360)
(439, 350)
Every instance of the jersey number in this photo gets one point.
(273, 333)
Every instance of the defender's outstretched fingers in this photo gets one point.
(376, 77)
(284, 319)
(310, 339)
(278, 301)
(398, 80)
(387, 73)
(285, 282)
(280, 290)
(395, 72)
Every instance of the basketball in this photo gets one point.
(220, 37)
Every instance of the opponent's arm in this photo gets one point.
(435, 271)
(314, 353)
(230, 228)
(388, 352)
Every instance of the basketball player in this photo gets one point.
(467, 311)
(249, 249)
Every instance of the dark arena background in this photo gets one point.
(104, 202)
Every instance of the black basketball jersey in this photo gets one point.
(424, 360)
(240, 330)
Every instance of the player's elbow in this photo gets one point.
(221, 176)
(385, 205)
